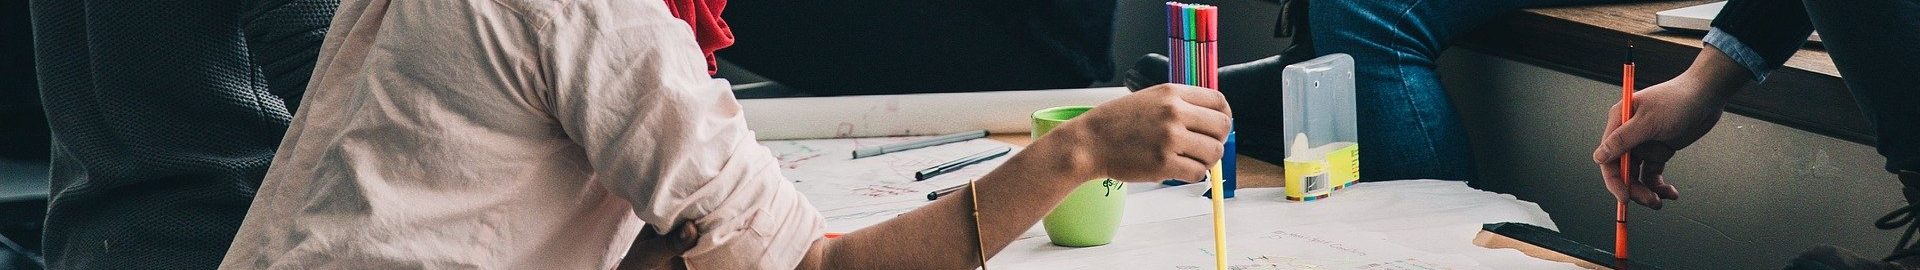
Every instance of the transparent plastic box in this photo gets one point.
(1317, 99)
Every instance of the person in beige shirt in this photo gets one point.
(585, 134)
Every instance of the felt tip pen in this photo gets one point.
(1626, 111)
(955, 165)
(935, 195)
(904, 146)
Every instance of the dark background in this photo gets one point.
(23, 130)
(23, 126)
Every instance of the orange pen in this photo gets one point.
(1626, 111)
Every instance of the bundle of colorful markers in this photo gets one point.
(1191, 32)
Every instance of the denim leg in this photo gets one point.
(1876, 44)
(1408, 127)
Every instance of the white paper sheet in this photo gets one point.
(1410, 224)
(915, 114)
(855, 193)
(1180, 245)
(1432, 220)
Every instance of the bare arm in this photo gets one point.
(938, 234)
(941, 233)
(1716, 73)
(1166, 137)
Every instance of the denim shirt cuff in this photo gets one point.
(1739, 52)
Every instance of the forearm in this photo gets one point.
(1716, 74)
(942, 235)
(1166, 131)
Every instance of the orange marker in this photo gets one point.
(1626, 111)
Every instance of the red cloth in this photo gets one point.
(708, 28)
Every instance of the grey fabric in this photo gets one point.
(164, 116)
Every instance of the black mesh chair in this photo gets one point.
(164, 116)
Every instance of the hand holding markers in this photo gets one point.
(1165, 131)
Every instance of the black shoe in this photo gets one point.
(1904, 217)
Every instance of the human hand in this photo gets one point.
(1666, 118)
(653, 251)
(1164, 131)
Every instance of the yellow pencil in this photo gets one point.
(1219, 218)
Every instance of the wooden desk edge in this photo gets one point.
(1806, 93)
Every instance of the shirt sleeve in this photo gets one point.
(630, 87)
(1760, 34)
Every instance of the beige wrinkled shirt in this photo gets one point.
(516, 134)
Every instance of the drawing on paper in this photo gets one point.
(855, 193)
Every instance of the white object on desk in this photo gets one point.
(1697, 18)
(1317, 99)
(914, 114)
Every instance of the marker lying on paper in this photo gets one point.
(935, 195)
(939, 140)
(955, 165)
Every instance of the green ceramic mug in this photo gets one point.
(1090, 215)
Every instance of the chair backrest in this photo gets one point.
(13, 256)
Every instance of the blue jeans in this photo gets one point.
(1408, 129)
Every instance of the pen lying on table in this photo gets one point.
(943, 192)
(955, 165)
(932, 141)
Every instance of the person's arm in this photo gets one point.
(1166, 131)
(941, 234)
(1749, 39)
(629, 89)
(1667, 117)
(1759, 34)
(626, 82)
